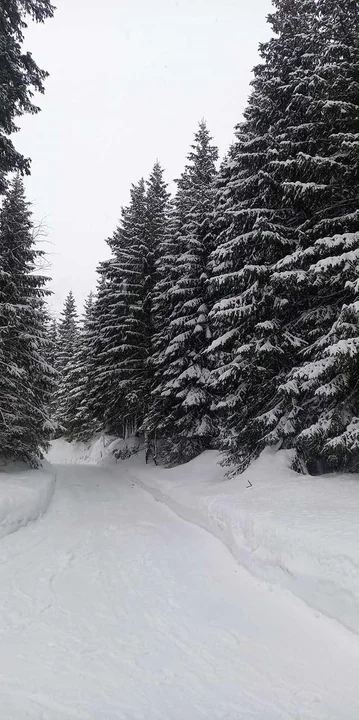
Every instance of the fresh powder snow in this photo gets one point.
(112, 606)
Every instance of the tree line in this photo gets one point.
(227, 315)
(27, 381)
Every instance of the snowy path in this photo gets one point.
(111, 607)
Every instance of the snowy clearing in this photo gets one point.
(24, 495)
(113, 607)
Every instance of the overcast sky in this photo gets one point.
(129, 81)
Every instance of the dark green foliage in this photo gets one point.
(26, 380)
(318, 405)
(286, 264)
(253, 347)
(182, 366)
(20, 77)
(230, 314)
(67, 335)
(52, 349)
(124, 340)
(76, 418)
(158, 419)
(124, 312)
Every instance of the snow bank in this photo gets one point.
(24, 495)
(297, 531)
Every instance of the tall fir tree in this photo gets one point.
(20, 77)
(188, 426)
(124, 312)
(26, 379)
(280, 310)
(67, 330)
(166, 275)
(157, 205)
(77, 420)
(51, 356)
(253, 346)
(120, 390)
(318, 404)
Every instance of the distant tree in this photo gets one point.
(51, 357)
(103, 391)
(124, 313)
(67, 330)
(26, 379)
(77, 420)
(20, 77)
(120, 389)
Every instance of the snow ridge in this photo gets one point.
(296, 532)
(25, 495)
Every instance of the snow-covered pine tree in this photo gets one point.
(52, 349)
(124, 312)
(318, 405)
(154, 304)
(67, 332)
(120, 391)
(252, 346)
(20, 77)
(51, 355)
(26, 380)
(189, 426)
(77, 419)
(160, 405)
(102, 357)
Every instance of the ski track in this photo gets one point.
(112, 607)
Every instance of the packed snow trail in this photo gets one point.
(113, 608)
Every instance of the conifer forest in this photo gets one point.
(227, 315)
(179, 352)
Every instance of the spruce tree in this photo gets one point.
(77, 420)
(154, 306)
(160, 405)
(26, 379)
(51, 357)
(120, 391)
(125, 314)
(102, 356)
(286, 265)
(253, 347)
(318, 404)
(52, 350)
(67, 330)
(189, 426)
(20, 77)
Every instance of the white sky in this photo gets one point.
(129, 81)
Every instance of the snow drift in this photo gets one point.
(24, 495)
(297, 531)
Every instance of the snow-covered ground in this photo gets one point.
(297, 532)
(113, 607)
(24, 495)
